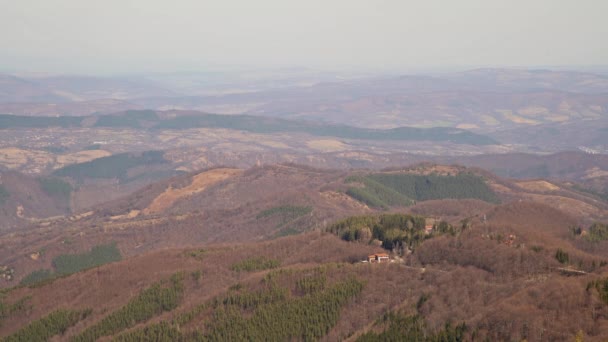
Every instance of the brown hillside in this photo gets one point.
(268, 202)
(480, 285)
(26, 201)
(199, 183)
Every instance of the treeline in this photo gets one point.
(255, 264)
(383, 190)
(598, 232)
(270, 313)
(99, 255)
(603, 194)
(71, 263)
(7, 310)
(601, 286)
(131, 119)
(57, 322)
(253, 299)
(535, 171)
(116, 166)
(394, 230)
(4, 194)
(149, 119)
(37, 276)
(312, 284)
(273, 125)
(399, 327)
(306, 318)
(288, 212)
(13, 121)
(151, 302)
(56, 187)
(562, 256)
(375, 194)
(286, 218)
(429, 187)
(157, 332)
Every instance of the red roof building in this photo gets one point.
(378, 257)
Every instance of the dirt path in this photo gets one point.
(199, 183)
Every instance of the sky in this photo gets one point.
(125, 36)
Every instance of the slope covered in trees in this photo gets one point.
(382, 190)
(507, 261)
(131, 119)
(56, 187)
(320, 292)
(598, 232)
(4, 194)
(255, 264)
(24, 197)
(391, 229)
(400, 327)
(149, 303)
(375, 194)
(287, 219)
(116, 166)
(149, 119)
(56, 323)
(273, 125)
(6, 310)
(601, 286)
(71, 263)
(14, 121)
(286, 212)
(278, 310)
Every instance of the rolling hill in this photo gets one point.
(482, 99)
(148, 119)
(25, 199)
(206, 292)
(71, 88)
(233, 205)
(462, 206)
(228, 251)
(577, 170)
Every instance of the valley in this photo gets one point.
(463, 207)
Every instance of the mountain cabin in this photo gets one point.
(378, 257)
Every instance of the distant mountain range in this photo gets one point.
(529, 110)
(149, 119)
(483, 99)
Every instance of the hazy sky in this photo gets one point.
(147, 35)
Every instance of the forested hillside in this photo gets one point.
(396, 232)
(149, 119)
(278, 252)
(66, 264)
(383, 190)
(116, 166)
(23, 198)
